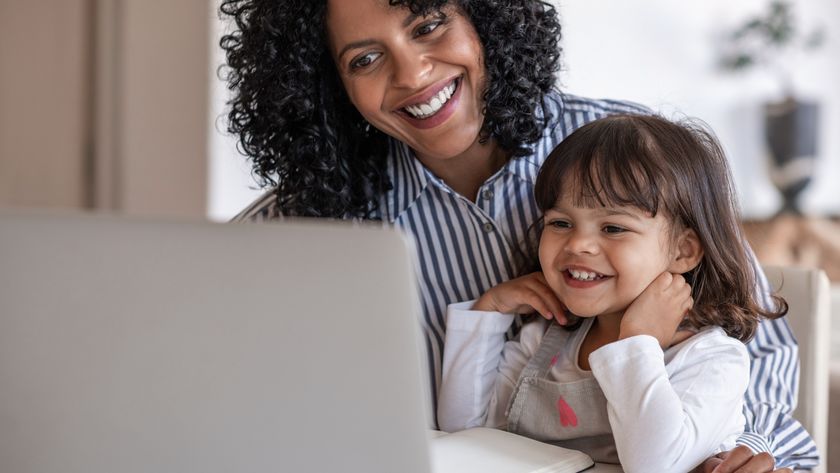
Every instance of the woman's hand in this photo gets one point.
(742, 460)
(524, 295)
(658, 310)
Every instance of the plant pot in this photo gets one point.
(791, 130)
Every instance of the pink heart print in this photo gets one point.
(567, 415)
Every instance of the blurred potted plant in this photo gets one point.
(769, 41)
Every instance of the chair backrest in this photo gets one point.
(807, 292)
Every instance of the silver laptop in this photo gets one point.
(140, 346)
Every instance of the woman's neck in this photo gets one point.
(466, 172)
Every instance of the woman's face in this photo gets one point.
(417, 79)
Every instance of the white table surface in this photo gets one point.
(605, 468)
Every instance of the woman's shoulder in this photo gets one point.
(570, 104)
(262, 208)
(568, 112)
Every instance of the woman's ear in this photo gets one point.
(688, 253)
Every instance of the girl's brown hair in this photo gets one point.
(656, 165)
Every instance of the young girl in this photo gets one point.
(639, 218)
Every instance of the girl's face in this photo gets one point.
(417, 79)
(598, 260)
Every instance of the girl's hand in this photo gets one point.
(658, 310)
(524, 295)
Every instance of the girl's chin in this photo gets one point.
(581, 312)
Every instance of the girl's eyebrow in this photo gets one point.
(605, 212)
(612, 211)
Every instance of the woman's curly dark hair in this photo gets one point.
(296, 123)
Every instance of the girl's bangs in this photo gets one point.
(609, 178)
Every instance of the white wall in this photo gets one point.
(230, 185)
(660, 53)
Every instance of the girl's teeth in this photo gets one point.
(583, 275)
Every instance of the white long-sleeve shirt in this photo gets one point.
(669, 411)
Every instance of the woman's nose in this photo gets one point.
(411, 69)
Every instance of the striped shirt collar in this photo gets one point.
(410, 177)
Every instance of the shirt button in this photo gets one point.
(487, 194)
(487, 227)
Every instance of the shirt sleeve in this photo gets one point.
(686, 416)
(480, 369)
(771, 395)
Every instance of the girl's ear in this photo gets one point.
(688, 254)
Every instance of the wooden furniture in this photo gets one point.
(795, 240)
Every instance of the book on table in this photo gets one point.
(486, 450)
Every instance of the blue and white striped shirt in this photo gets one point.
(464, 248)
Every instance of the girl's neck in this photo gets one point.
(605, 329)
(468, 171)
(608, 326)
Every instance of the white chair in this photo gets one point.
(807, 292)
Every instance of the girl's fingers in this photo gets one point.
(555, 305)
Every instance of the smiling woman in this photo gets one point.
(397, 75)
(358, 63)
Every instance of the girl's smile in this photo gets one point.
(583, 277)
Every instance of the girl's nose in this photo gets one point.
(411, 69)
(580, 243)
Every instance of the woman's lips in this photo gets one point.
(438, 117)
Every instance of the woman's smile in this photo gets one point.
(433, 107)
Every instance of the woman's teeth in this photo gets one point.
(584, 275)
(425, 110)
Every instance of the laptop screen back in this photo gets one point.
(138, 346)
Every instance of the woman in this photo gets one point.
(435, 116)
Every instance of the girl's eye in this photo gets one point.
(612, 229)
(363, 61)
(559, 224)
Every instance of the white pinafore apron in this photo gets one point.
(571, 414)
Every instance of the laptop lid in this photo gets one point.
(142, 346)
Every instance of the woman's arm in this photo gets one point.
(769, 402)
(770, 399)
(672, 419)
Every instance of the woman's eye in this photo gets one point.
(363, 61)
(427, 28)
(613, 229)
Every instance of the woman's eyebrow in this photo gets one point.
(355, 45)
(368, 42)
(409, 19)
